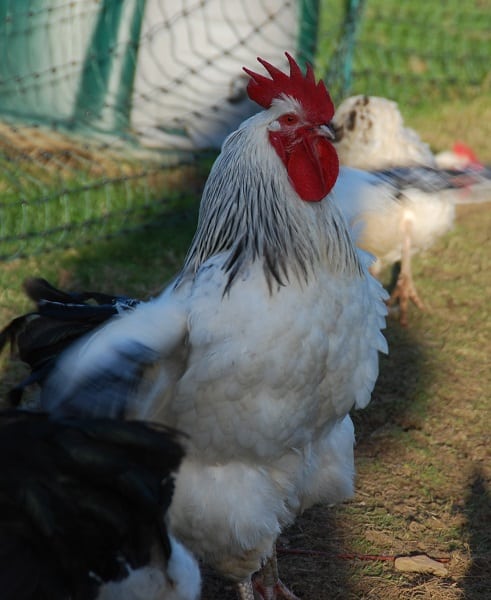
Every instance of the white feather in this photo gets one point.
(179, 579)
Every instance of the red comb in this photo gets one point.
(462, 149)
(313, 96)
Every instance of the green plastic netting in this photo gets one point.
(102, 102)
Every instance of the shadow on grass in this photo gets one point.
(146, 257)
(477, 581)
(315, 561)
(310, 561)
(399, 398)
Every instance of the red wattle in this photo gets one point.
(313, 168)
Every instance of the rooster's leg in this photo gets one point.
(405, 289)
(267, 584)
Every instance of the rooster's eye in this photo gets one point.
(289, 119)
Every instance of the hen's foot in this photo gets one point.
(404, 292)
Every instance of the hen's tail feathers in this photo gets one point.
(82, 501)
(60, 318)
(474, 185)
(470, 185)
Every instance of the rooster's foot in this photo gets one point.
(272, 592)
(257, 590)
(267, 584)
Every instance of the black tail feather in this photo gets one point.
(60, 318)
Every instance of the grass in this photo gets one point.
(417, 53)
(59, 190)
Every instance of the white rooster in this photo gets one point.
(259, 349)
(401, 202)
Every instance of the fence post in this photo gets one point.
(340, 71)
(308, 27)
(104, 95)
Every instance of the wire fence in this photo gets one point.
(104, 102)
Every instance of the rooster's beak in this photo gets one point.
(329, 131)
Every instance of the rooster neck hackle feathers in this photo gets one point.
(255, 204)
(250, 210)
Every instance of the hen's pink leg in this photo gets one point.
(405, 290)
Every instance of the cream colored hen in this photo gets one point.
(401, 202)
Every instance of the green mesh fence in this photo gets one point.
(103, 103)
(417, 53)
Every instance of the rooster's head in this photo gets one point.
(300, 135)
